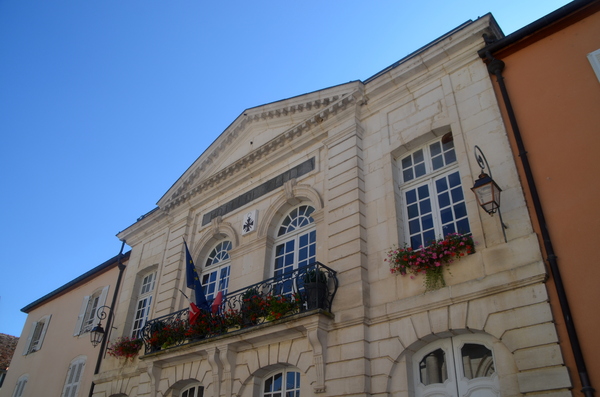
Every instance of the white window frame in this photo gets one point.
(197, 389)
(144, 303)
(456, 381)
(217, 269)
(74, 376)
(425, 177)
(87, 319)
(20, 386)
(295, 245)
(284, 390)
(37, 332)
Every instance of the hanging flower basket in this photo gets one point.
(125, 347)
(430, 260)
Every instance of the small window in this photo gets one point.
(282, 384)
(433, 199)
(20, 387)
(73, 379)
(142, 308)
(87, 318)
(192, 391)
(36, 335)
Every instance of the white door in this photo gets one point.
(462, 366)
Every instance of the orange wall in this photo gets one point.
(556, 98)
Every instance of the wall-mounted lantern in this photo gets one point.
(487, 191)
(97, 333)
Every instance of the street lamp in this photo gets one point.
(487, 191)
(97, 333)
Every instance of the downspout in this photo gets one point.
(495, 67)
(121, 267)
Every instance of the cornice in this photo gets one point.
(330, 107)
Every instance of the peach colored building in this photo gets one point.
(54, 356)
(551, 78)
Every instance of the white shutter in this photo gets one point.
(31, 332)
(594, 58)
(73, 378)
(41, 338)
(86, 299)
(101, 303)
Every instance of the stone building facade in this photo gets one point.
(340, 176)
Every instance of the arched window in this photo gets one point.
(284, 383)
(20, 387)
(215, 277)
(74, 375)
(142, 307)
(192, 391)
(456, 367)
(296, 242)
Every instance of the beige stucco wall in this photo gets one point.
(47, 368)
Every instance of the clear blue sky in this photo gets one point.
(105, 103)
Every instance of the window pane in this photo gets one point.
(457, 194)
(454, 179)
(437, 162)
(450, 157)
(407, 175)
(425, 207)
(477, 361)
(462, 226)
(432, 368)
(419, 170)
(441, 185)
(414, 226)
(413, 211)
(446, 215)
(427, 222)
(449, 228)
(416, 241)
(460, 210)
(418, 156)
(435, 149)
(277, 382)
(444, 200)
(423, 192)
(428, 237)
(411, 196)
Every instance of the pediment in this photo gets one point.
(256, 133)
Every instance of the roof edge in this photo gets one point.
(534, 27)
(112, 262)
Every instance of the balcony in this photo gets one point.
(307, 290)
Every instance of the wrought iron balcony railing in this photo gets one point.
(309, 288)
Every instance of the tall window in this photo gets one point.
(215, 276)
(458, 366)
(434, 203)
(192, 391)
(20, 387)
(296, 243)
(87, 315)
(37, 333)
(282, 384)
(142, 307)
(73, 377)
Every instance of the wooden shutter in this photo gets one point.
(84, 305)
